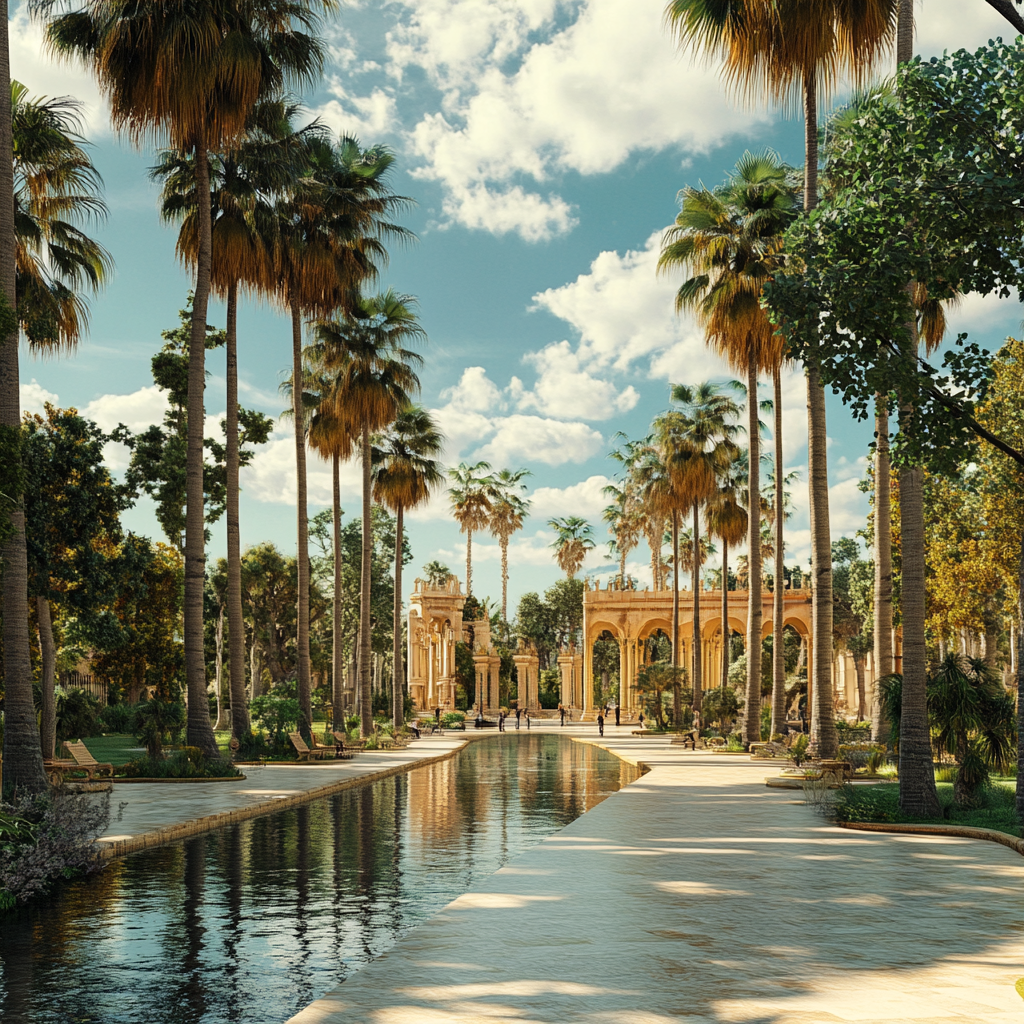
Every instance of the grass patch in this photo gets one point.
(881, 803)
(115, 749)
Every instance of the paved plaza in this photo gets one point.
(697, 894)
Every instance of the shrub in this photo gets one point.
(859, 754)
(798, 751)
(77, 714)
(44, 840)
(187, 763)
(278, 714)
(451, 719)
(158, 722)
(119, 718)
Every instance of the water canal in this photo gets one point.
(254, 921)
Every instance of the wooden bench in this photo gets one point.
(304, 752)
(86, 762)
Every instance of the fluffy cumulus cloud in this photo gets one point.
(518, 438)
(533, 89)
(585, 498)
(34, 397)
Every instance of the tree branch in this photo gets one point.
(1009, 12)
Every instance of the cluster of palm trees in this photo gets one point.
(481, 499)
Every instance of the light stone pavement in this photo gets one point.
(697, 894)
(142, 807)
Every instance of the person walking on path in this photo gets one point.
(501, 721)
(616, 714)
(695, 729)
(437, 711)
(561, 714)
(526, 715)
(640, 719)
(600, 723)
(518, 713)
(479, 718)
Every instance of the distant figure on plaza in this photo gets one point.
(695, 729)
(640, 719)
(438, 713)
(616, 714)
(518, 713)
(561, 714)
(526, 715)
(501, 721)
(600, 723)
(479, 718)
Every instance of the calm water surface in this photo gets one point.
(252, 922)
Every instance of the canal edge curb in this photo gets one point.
(197, 826)
(953, 831)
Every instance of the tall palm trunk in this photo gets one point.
(200, 729)
(823, 728)
(469, 562)
(1018, 651)
(302, 638)
(504, 579)
(240, 725)
(48, 672)
(883, 569)
(726, 632)
(397, 662)
(337, 652)
(218, 674)
(677, 697)
(698, 677)
(23, 759)
(365, 694)
(779, 595)
(755, 609)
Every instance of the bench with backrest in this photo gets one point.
(85, 761)
(348, 746)
(304, 752)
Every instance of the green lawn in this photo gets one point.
(115, 749)
(881, 803)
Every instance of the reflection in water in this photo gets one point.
(254, 921)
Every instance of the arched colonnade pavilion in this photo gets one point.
(628, 616)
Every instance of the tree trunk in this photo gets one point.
(397, 668)
(823, 726)
(916, 771)
(726, 631)
(904, 31)
(23, 759)
(858, 664)
(337, 652)
(677, 697)
(883, 569)
(48, 672)
(240, 724)
(779, 596)
(1018, 652)
(218, 681)
(755, 608)
(504, 579)
(200, 729)
(302, 630)
(469, 563)
(365, 667)
(698, 677)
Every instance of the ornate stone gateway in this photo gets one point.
(631, 616)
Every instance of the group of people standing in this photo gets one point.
(522, 714)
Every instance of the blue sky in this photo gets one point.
(544, 142)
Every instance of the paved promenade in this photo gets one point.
(142, 807)
(697, 894)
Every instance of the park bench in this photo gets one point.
(56, 769)
(349, 746)
(304, 752)
(85, 761)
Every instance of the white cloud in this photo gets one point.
(518, 438)
(516, 105)
(985, 314)
(565, 389)
(136, 411)
(366, 118)
(475, 392)
(952, 24)
(44, 76)
(585, 499)
(34, 397)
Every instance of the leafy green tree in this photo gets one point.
(74, 508)
(535, 624)
(159, 462)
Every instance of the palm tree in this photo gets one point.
(730, 240)
(331, 229)
(56, 191)
(405, 474)
(508, 511)
(625, 522)
(697, 446)
(264, 161)
(470, 495)
(191, 75)
(726, 520)
(367, 353)
(632, 456)
(780, 47)
(575, 539)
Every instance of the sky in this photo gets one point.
(544, 143)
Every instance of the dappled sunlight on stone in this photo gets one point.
(496, 901)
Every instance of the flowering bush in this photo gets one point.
(43, 840)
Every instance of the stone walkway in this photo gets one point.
(698, 894)
(137, 808)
